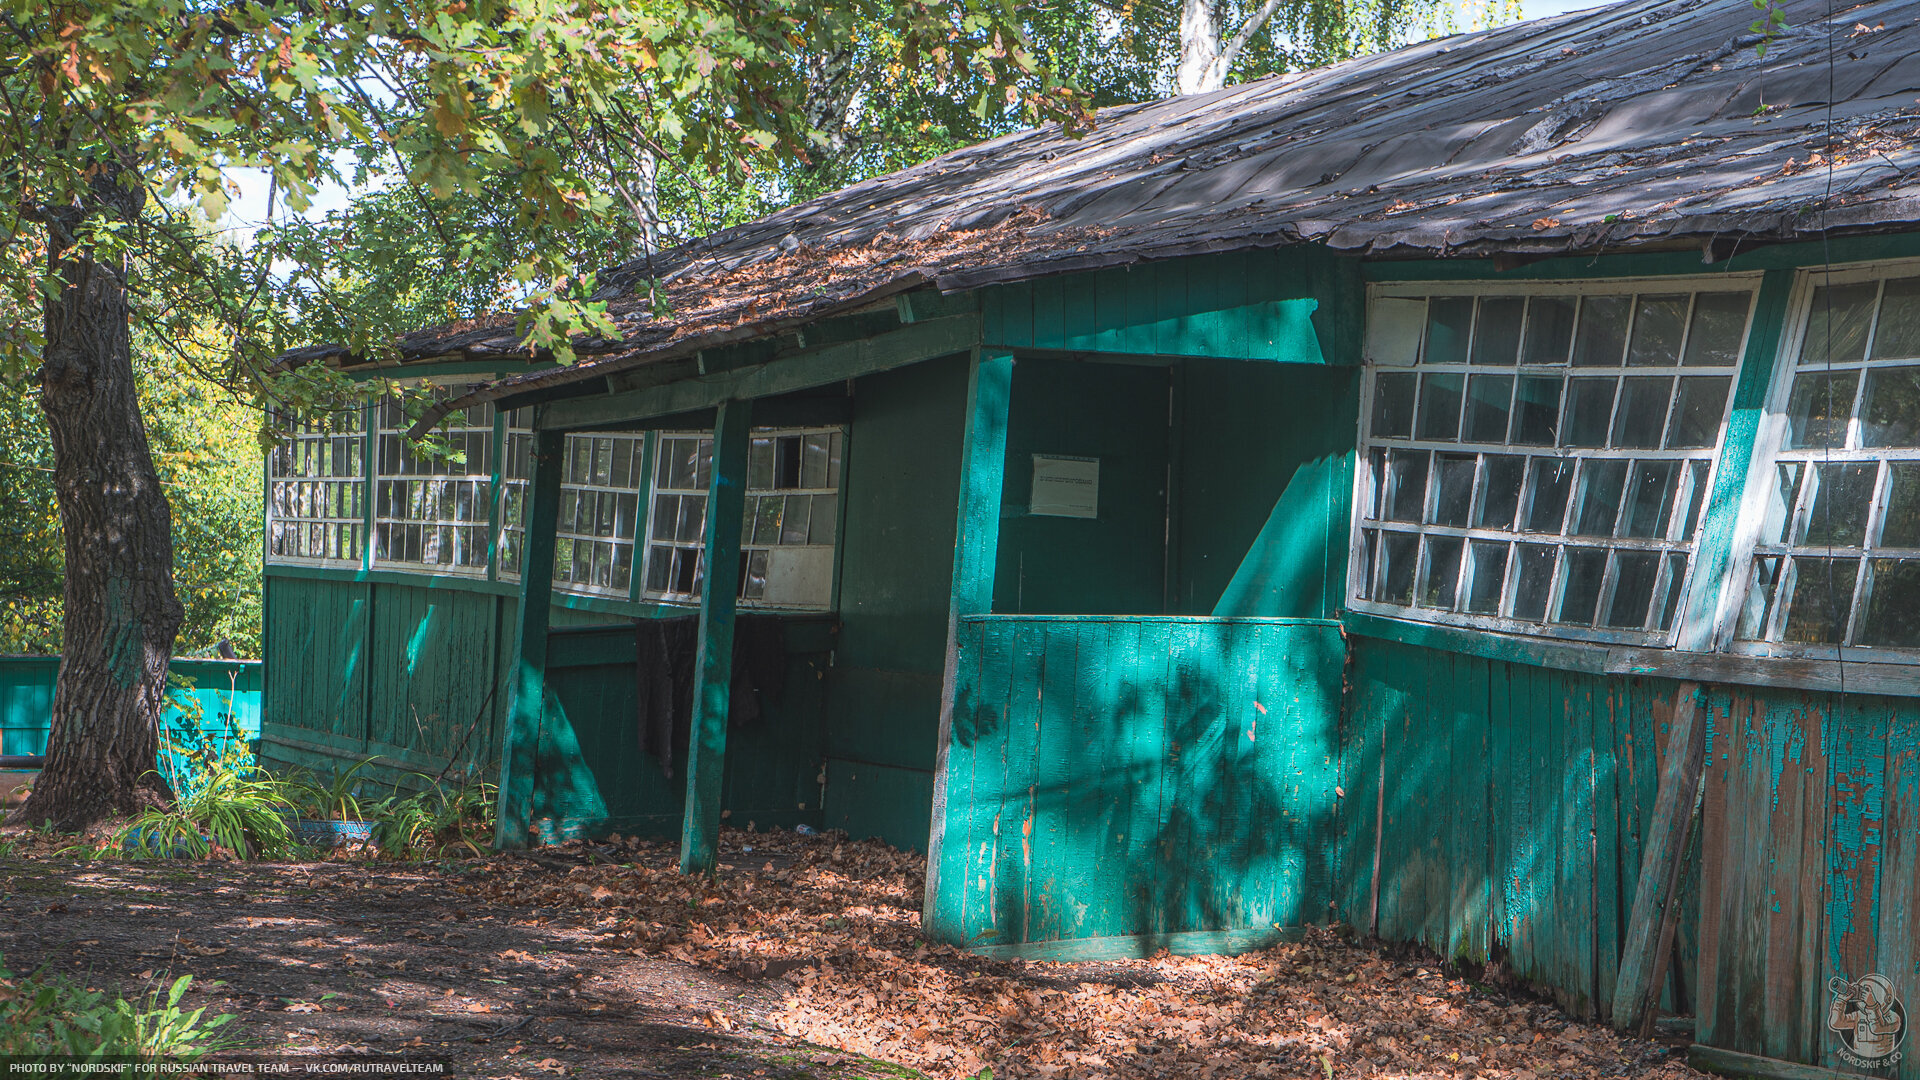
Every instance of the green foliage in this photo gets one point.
(46, 1015)
(335, 799)
(231, 804)
(435, 820)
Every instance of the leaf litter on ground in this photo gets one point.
(838, 922)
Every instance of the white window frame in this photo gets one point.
(480, 482)
(296, 488)
(1674, 542)
(1770, 449)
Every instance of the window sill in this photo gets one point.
(1827, 676)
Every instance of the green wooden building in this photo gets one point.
(1290, 504)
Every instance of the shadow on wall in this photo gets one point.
(1139, 776)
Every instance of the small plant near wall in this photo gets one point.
(45, 1015)
(435, 821)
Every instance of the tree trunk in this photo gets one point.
(121, 612)
(1200, 68)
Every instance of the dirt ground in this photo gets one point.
(802, 961)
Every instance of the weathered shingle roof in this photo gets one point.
(1648, 122)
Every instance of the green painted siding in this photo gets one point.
(896, 563)
(227, 693)
(1114, 564)
(1139, 776)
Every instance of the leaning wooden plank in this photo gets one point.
(528, 690)
(1643, 960)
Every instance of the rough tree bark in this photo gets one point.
(121, 612)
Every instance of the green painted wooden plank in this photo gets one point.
(1898, 937)
(1049, 313)
(713, 666)
(1142, 946)
(1856, 815)
(1570, 656)
(1469, 904)
(782, 375)
(1079, 310)
(976, 544)
(1111, 313)
(529, 656)
(1140, 286)
(1733, 1063)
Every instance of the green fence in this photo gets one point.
(224, 696)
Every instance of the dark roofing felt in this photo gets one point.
(1647, 122)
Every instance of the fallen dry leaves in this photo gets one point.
(839, 922)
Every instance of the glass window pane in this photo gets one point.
(1658, 322)
(1500, 482)
(1440, 572)
(1453, 489)
(1406, 485)
(1642, 414)
(754, 586)
(622, 471)
(659, 568)
(1719, 322)
(1448, 320)
(682, 463)
(1584, 569)
(1892, 618)
(1902, 526)
(1440, 406)
(1589, 412)
(1601, 486)
(1533, 581)
(825, 519)
(793, 527)
(1634, 575)
(1488, 400)
(760, 460)
(1697, 411)
(1822, 597)
(1818, 410)
(626, 510)
(1671, 589)
(703, 464)
(665, 517)
(1397, 551)
(1370, 554)
(1890, 408)
(1780, 501)
(766, 518)
(786, 463)
(1650, 493)
(1842, 495)
(1496, 338)
(1486, 576)
(1393, 329)
(1392, 410)
(1898, 335)
(1757, 610)
(1547, 490)
(1536, 411)
(693, 518)
(1837, 324)
(813, 461)
(1601, 339)
(1549, 330)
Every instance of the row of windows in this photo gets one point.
(434, 507)
(1539, 460)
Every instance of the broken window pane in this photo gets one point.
(1583, 569)
(1822, 597)
(1600, 491)
(1406, 485)
(1552, 481)
(1671, 588)
(1837, 324)
(1780, 501)
(1649, 498)
(1634, 575)
(1453, 490)
(1369, 559)
(1488, 398)
(1392, 410)
(1818, 411)
(1658, 322)
(1601, 339)
(1719, 324)
(1496, 338)
(1589, 412)
(1890, 408)
(1549, 330)
(1397, 550)
(1761, 594)
(1892, 618)
(1440, 406)
(1486, 576)
(1533, 581)
(1697, 410)
(1536, 411)
(1902, 526)
(1897, 337)
(1440, 572)
(1842, 496)
(1393, 329)
(1500, 481)
(1449, 318)
(1642, 414)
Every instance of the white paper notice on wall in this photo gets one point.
(1065, 486)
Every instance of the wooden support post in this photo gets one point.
(527, 688)
(976, 544)
(1643, 961)
(713, 668)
